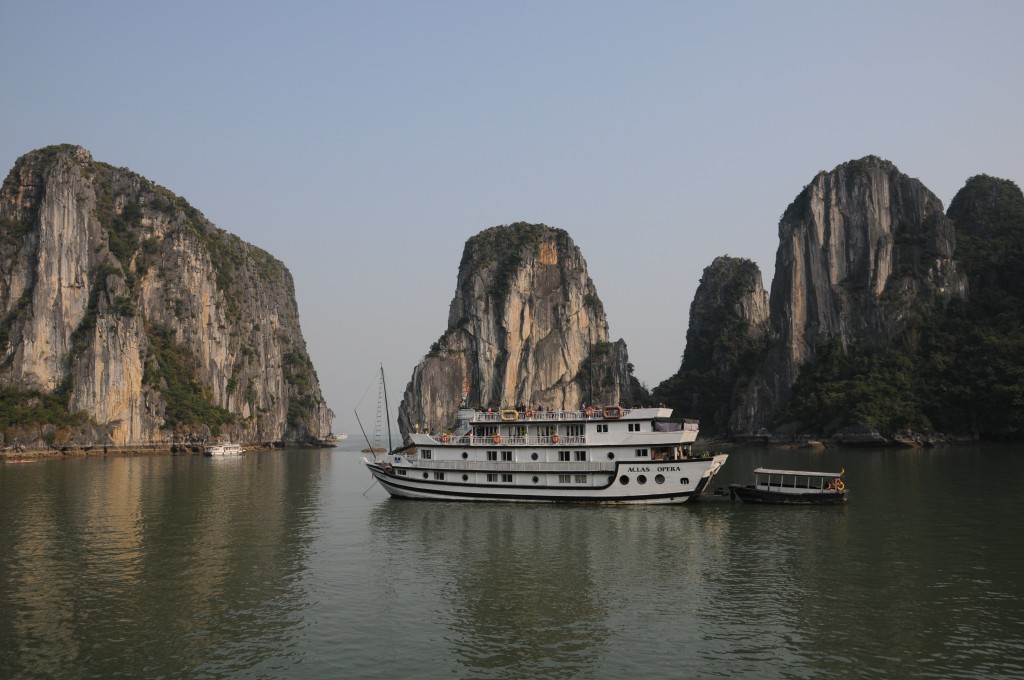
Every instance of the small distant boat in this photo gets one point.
(792, 487)
(223, 449)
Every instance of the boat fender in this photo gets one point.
(555, 438)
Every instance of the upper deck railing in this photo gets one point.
(542, 416)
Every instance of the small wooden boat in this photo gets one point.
(792, 487)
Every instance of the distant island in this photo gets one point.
(890, 320)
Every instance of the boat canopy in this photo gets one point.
(799, 473)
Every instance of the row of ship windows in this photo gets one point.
(427, 454)
(506, 478)
(548, 430)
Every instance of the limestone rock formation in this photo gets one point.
(725, 341)
(525, 326)
(121, 297)
(861, 249)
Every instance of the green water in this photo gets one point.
(278, 565)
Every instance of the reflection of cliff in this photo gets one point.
(189, 561)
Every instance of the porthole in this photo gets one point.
(535, 478)
(465, 478)
(611, 455)
(623, 480)
(465, 455)
(641, 479)
(425, 475)
(660, 479)
(533, 456)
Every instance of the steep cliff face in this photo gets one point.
(123, 297)
(725, 341)
(525, 326)
(861, 250)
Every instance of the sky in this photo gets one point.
(362, 143)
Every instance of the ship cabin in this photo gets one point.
(610, 433)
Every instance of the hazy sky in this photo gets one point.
(362, 143)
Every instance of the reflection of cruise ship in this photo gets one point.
(603, 455)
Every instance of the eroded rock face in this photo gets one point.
(860, 249)
(118, 292)
(725, 341)
(523, 327)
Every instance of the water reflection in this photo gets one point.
(172, 567)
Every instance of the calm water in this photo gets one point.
(278, 565)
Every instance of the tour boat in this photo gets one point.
(792, 487)
(223, 449)
(593, 455)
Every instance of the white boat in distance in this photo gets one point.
(602, 455)
(223, 449)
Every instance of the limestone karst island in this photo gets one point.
(129, 320)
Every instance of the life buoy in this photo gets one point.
(497, 439)
(612, 412)
(590, 411)
(555, 438)
(444, 438)
(840, 486)
(529, 413)
(509, 415)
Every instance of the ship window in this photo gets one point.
(425, 454)
(574, 430)
(660, 479)
(465, 455)
(642, 453)
(581, 479)
(506, 455)
(533, 456)
(684, 480)
(506, 477)
(563, 455)
(565, 479)
(611, 456)
(492, 476)
(634, 427)
(536, 479)
(641, 479)
(546, 430)
(492, 455)
(401, 472)
(465, 478)
(602, 427)
(486, 430)
(623, 480)
(579, 455)
(438, 475)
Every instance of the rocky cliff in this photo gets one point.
(525, 326)
(862, 250)
(725, 341)
(122, 299)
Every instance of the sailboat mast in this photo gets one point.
(387, 409)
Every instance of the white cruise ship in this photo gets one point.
(603, 455)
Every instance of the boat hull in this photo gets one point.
(749, 494)
(663, 482)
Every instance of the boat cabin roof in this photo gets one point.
(593, 413)
(798, 473)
